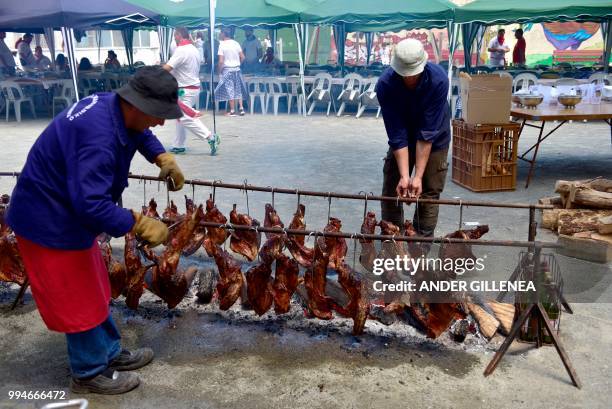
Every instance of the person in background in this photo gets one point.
(25, 52)
(42, 62)
(385, 54)
(252, 51)
(413, 97)
(518, 53)
(184, 65)
(206, 48)
(231, 85)
(497, 49)
(7, 60)
(269, 59)
(61, 63)
(111, 62)
(199, 44)
(85, 64)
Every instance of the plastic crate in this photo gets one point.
(484, 156)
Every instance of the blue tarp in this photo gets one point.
(32, 15)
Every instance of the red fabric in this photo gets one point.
(187, 110)
(500, 40)
(71, 287)
(518, 54)
(184, 41)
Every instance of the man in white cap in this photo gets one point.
(413, 97)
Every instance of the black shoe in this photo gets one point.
(129, 361)
(109, 382)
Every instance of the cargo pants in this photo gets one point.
(426, 215)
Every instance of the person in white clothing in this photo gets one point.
(497, 49)
(231, 85)
(7, 60)
(184, 65)
(25, 52)
(42, 62)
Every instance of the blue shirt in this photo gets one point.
(75, 173)
(421, 114)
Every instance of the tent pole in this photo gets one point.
(298, 37)
(211, 32)
(68, 34)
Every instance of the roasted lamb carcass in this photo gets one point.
(116, 271)
(151, 210)
(199, 234)
(335, 247)
(135, 271)
(168, 281)
(459, 250)
(275, 243)
(259, 287)
(4, 201)
(368, 250)
(296, 243)
(231, 280)
(272, 220)
(286, 278)
(215, 235)
(315, 280)
(358, 307)
(244, 242)
(171, 213)
(11, 265)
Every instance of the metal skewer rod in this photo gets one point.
(269, 189)
(382, 237)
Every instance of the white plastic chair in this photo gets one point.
(88, 86)
(524, 81)
(65, 95)
(351, 92)
(14, 95)
(600, 78)
(275, 91)
(257, 88)
(368, 97)
(204, 89)
(321, 92)
(503, 74)
(293, 90)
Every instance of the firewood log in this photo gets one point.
(487, 323)
(575, 221)
(605, 225)
(578, 194)
(505, 314)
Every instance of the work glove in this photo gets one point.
(153, 231)
(169, 169)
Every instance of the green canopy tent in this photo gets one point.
(488, 12)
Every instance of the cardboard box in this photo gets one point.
(486, 99)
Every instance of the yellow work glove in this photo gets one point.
(150, 230)
(170, 169)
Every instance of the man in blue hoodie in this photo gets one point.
(67, 195)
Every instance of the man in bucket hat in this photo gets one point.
(67, 195)
(413, 98)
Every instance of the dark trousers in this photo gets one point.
(434, 177)
(91, 351)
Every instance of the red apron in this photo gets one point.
(71, 287)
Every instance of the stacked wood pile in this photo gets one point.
(582, 217)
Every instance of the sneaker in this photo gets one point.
(231, 113)
(131, 360)
(214, 143)
(109, 382)
(241, 112)
(177, 151)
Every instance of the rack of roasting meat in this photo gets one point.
(275, 276)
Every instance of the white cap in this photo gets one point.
(409, 57)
